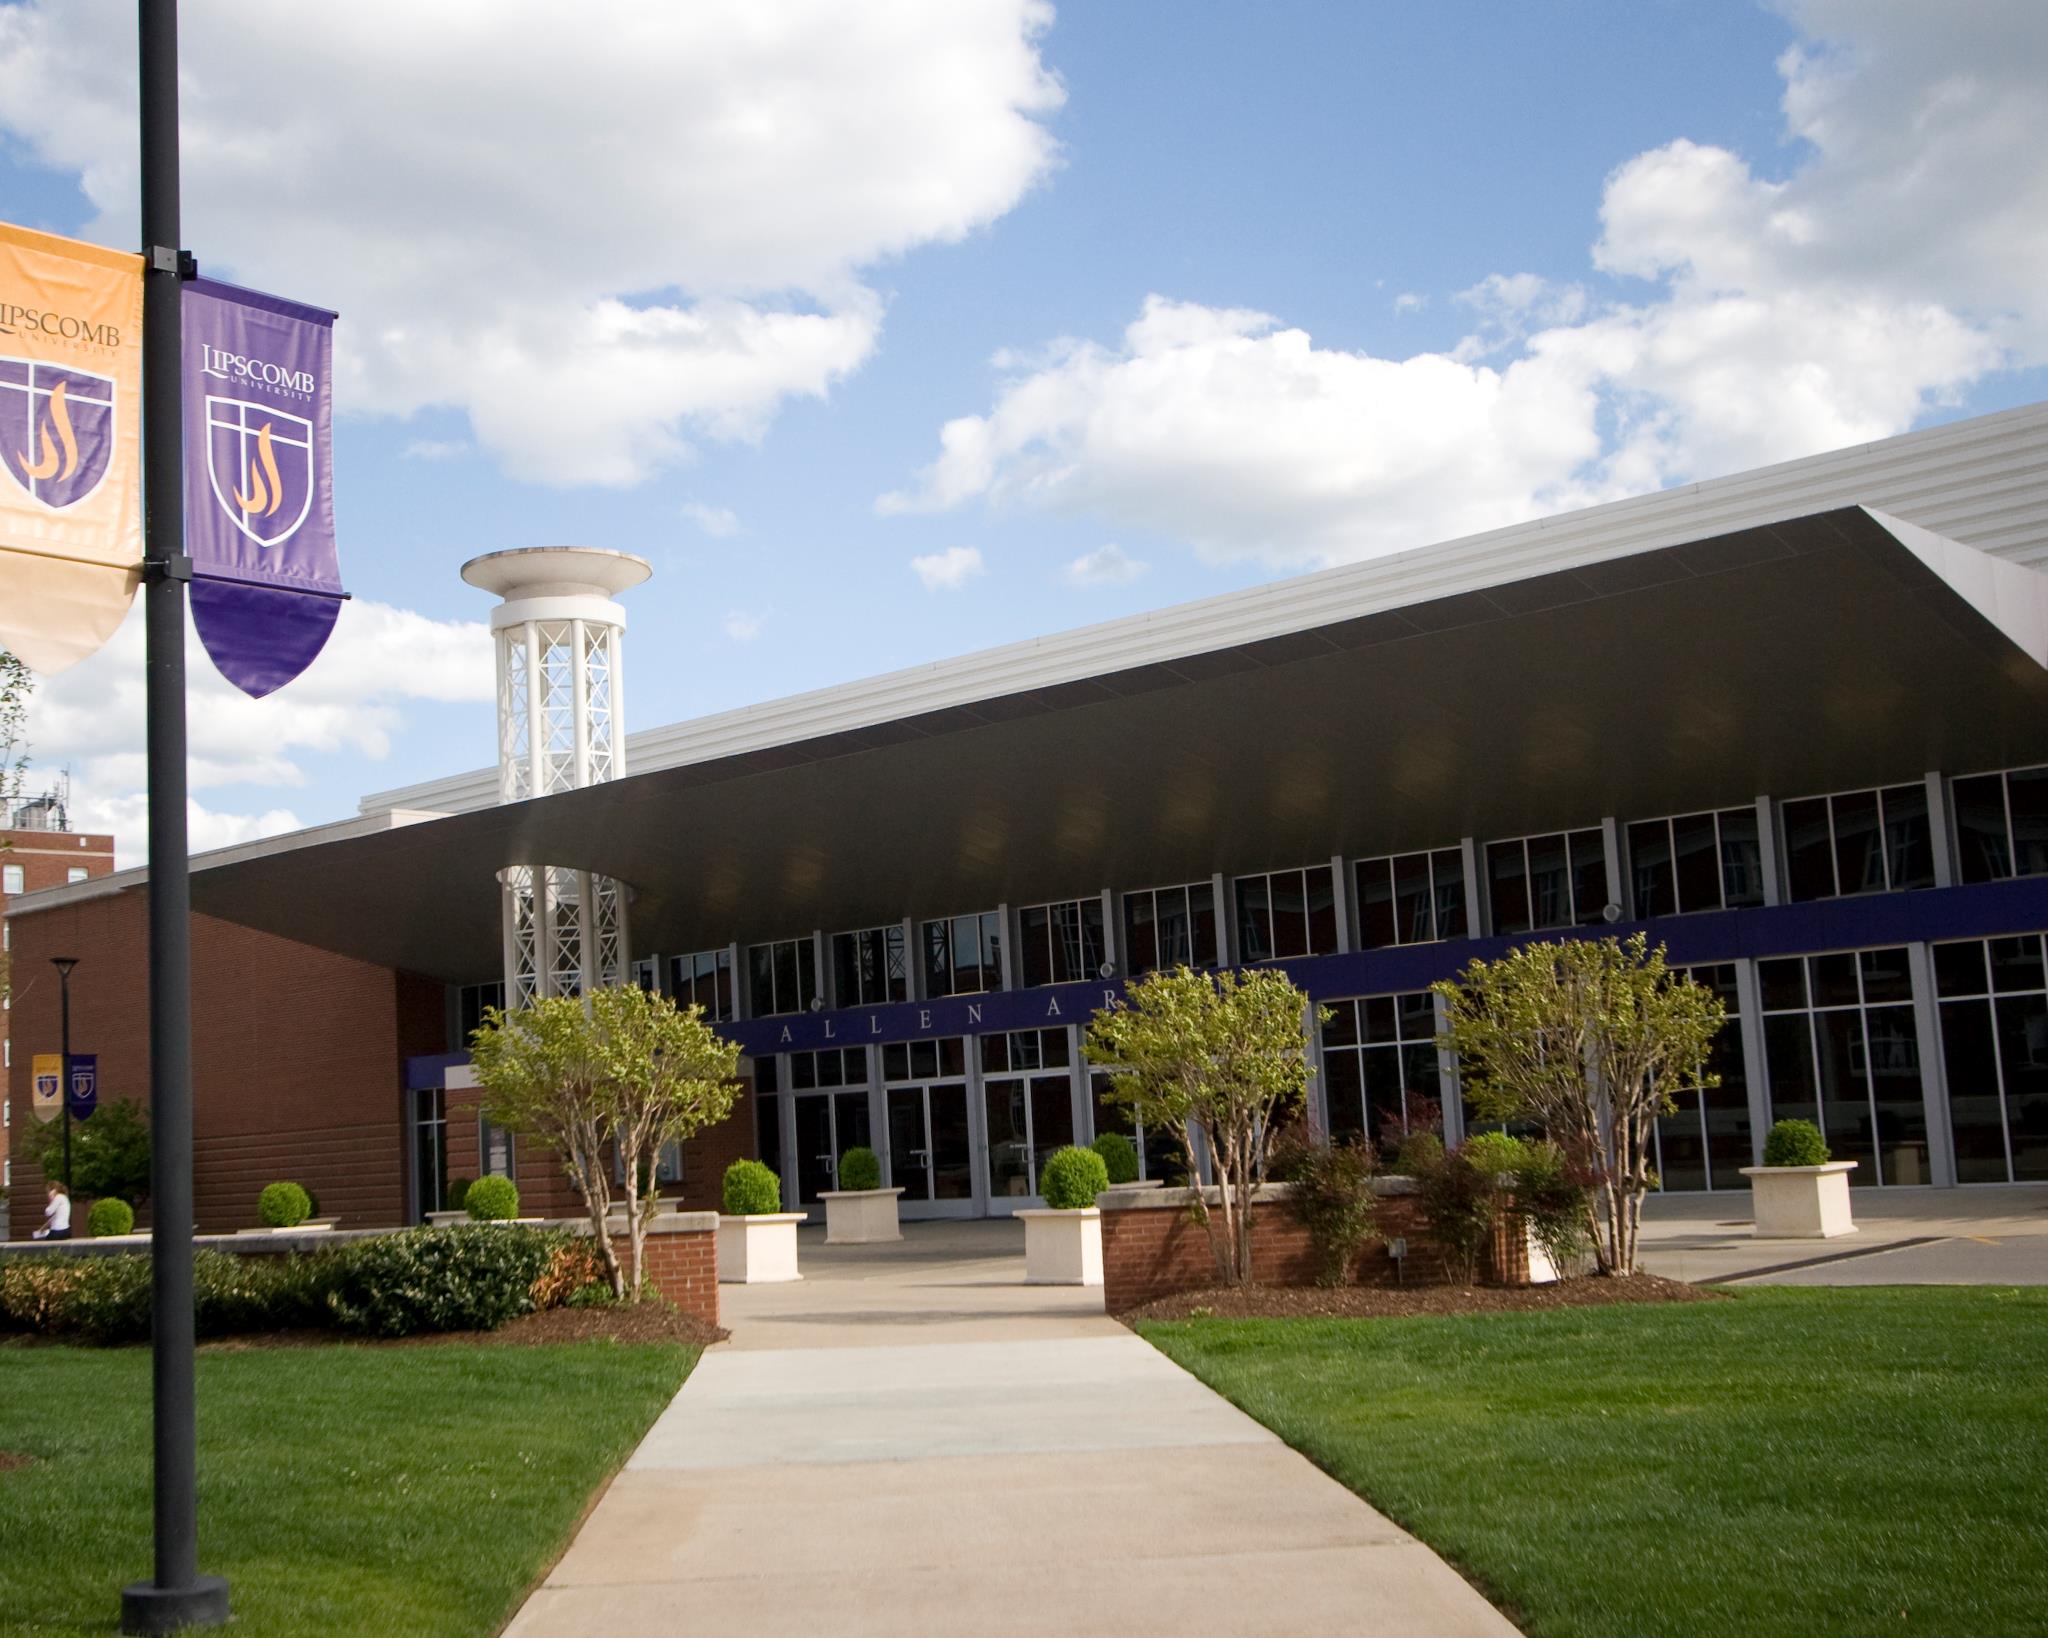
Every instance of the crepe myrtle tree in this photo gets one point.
(618, 1073)
(1593, 1039)
(1222, 1053)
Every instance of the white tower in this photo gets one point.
(561, 726)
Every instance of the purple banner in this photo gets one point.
(259, 481)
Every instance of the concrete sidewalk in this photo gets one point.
(910, 1441)
(1994, 1234)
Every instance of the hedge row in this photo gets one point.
(455, 1279)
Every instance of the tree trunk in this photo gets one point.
(635, 1229)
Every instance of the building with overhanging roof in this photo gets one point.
(1793, 723)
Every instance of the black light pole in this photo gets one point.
(178, 1596)
(64, 964)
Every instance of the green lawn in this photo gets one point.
(1787, 1461)
(341, 1489)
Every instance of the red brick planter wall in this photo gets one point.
(682, 1265)
(1151, 1248)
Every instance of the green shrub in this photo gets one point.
(592, 1294)
(1795, 1143)
(283, 1205)
(1119, 1157)
(1420, 1153)
(456, 1193)
(94, 1299)
(235, 1295)
(109, 1217)
(1552, 1195)
(860, 1168)
(1072, 1178)
(1333, 1196)
(1462, 1203)
(751, 1190)
(420, 1280)
(1498, 1154)
(491, 1200)
(312, 1201)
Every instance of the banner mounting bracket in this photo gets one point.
(163, 259)
(178, 567)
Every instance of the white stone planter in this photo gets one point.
(1062, 1247)
(1801, 1202)
(860, 1217)
(758, 1250)
(1542, 1271)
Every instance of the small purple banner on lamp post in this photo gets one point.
(259, 481)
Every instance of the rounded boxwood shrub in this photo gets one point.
(283, 1205)
(457, 1192)
(1420, 1153)
(491, 1200)
(1072, 1178)
(860, 1168)
(312, 1201)
(1795, 1143)
(1119, 1157)
(751, 1190)
(109, 1217)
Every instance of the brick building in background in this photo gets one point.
(38, 849)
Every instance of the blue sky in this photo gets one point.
(1414, 269)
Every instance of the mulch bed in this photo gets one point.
(1400, 1301)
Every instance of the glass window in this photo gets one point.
(1843, 1052)
(1410, 898)
(1994, 1044)
(869, 968)
(1538, 882)
(1287, 913)
(1061, 943)
(963, 955)
(703, 979)
(10, 878)
(471, 1000)
(1380, 1075)
(1858, 842)
(1694, 862)
(1168, 927)
(2001, 822)
(782, 976)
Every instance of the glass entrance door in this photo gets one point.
(930, 1154)
(827, 1125)
(1029, 1116)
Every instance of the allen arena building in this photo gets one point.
(1793, 723)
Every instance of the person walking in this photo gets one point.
(56, 1213)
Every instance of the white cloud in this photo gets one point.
(596, 280)
(434, 449)
(1107, 565)
(742, 628)
(949, 570)
(719, 522)
(1729, 320)
(90, 718)
(1410, 301)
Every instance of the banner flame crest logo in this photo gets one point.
(260, 462)
(56, 429)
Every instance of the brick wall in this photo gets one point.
(1151, 1248)
(683, 1266)
(46, 858)
(298, 1056)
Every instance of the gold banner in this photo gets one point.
(48, 1084)
(70, 444)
